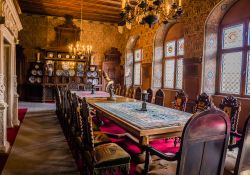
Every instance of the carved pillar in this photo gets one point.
(14, 93)
(4, 145)
(16, 121)
(8, 55)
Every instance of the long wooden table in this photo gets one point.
(156, 123)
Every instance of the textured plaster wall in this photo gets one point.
(39, 32)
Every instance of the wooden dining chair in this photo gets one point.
(123, 91)
(232, 107)
(138, 92)
(73, 86)
(202, 103)
(202, 151)
(104, 158)
(118, 89)
(180, 101)
(131, 92)
(238, 159)
(150, 95)
(58, 103)
(159, 97)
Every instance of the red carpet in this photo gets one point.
(133, 148)
(11, 136)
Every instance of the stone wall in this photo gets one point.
(39, 32)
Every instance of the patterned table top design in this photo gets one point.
(155, 117)
(87, 94)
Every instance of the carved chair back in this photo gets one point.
(87, 127)
(159, 97)
(123, 90)
(138, 92)
(180, 101)
(77, 115)
(198, 153)
(243, 159)
(232, 107)
(118, 89)
(131, 92)
(69, 108)
(150, 95)
(73, 86)
(202, 103)
(58, 101)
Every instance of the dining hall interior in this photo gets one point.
(125, 87)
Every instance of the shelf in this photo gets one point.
(65, 59)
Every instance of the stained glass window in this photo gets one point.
(232, 37)
(157, 76)
(231, 73)
(129, 69)
(138, 55)
(248, 74)
(169, 73)
(179, 73)
(170, 49)
(180, 47)
(137, 74)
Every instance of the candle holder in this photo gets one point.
(92, 89)
(144, 98)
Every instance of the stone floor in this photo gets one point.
(40, 147)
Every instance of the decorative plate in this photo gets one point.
(38, 80)
(32, 79)
(79, 74)
(59, 56)
(89, 74)
(37, 66)
(94, 74)
(67, 56)
(80, 67)
(95, 81)
(40, 72)
(33, 72)
(65, 66)
(89, 81)
(66, 73)
(72, 73)
(59, 72)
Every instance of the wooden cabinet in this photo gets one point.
(111, 65)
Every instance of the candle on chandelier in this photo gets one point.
(180, 3)
(168, 9)
(123, 4)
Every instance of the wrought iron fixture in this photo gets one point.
(149, 12)
(79, 48)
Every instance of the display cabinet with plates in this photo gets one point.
(61, 68)
(35, 81)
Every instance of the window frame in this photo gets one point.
(244, 49)
(175, 57)
(137, 62)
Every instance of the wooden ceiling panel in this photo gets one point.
(95, 10)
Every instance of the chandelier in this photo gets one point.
(79, 48)
(149, 12)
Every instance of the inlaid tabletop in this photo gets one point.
(155, 116)
(87, 94)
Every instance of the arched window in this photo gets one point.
(133, 63)
(173, 61)
(234, 53)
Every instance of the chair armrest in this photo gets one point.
(235, 134)
(149, 150)
(166, 156)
